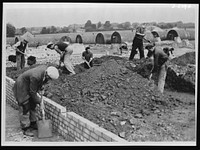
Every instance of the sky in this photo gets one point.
(64, 14)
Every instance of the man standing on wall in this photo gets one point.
(138, 42)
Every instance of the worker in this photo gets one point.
(123, 46)
(138, 42)
(159, 64)
(25, 91)
(65, 50)
(20, 48)
(87, 56)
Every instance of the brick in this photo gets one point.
(107, 138)
(85, 130)
(95, 136)
(97, 132)
(101, 139)
(78, 131)
(85, 135)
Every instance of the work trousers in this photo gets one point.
(20, 59)
(161, 76)
(27, 113)
(137, 43)
(68, 63)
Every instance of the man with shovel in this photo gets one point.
(65, 50)
(87, 56)
(20, 48)
(160, 58)
(138, 42)
(25, 90)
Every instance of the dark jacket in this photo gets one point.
(28, 84)
(160, 57)
(62, 46)
(21, 47)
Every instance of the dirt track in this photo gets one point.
(122, 101)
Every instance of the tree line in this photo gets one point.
(90, 27)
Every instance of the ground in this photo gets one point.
(13, 132)
(122, 101)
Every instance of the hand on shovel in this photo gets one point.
(150, 76)
(88, 64)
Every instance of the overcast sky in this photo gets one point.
(63, 14)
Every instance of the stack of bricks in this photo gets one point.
(68, 124)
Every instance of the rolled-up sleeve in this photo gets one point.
(33, 90)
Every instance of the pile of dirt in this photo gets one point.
(184, 60)
(115, 94)
(109, 95)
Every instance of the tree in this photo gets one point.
(107, 24)
(44, 30)
(99, 24)
(127, 25)
(10, 30)
(88, 24)
(53, 29)
(65, 29)
(23, 30)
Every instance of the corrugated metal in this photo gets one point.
(182, 33)
(103, 38)
(127, 36)
(162, 34)
(122, 36)
(88, 37)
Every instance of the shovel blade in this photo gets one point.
(44, 128)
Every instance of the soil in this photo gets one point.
(116, 95)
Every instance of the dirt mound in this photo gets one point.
(184, 60)
(108, 95)
(114, 94)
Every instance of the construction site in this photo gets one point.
(116, 94)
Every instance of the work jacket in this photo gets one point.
(160, 57)
(28, 84)
(140, 33)
(21, 46)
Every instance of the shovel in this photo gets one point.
(88, 64)
(44, 126)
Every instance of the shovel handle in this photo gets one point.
(43, 112)
(88, 64)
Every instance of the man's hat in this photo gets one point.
(52, 72)
(87, 47)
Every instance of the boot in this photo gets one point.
(33, 125)
(28, 132)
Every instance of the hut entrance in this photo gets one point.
(155, 34)
(65, 39)
(115, 38)
(171, 35)
(100, 39)
(79, 39)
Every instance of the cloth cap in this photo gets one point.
(87, 47)
(52, 72)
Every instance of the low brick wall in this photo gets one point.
(70, 125)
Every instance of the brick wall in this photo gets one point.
(70, 125)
